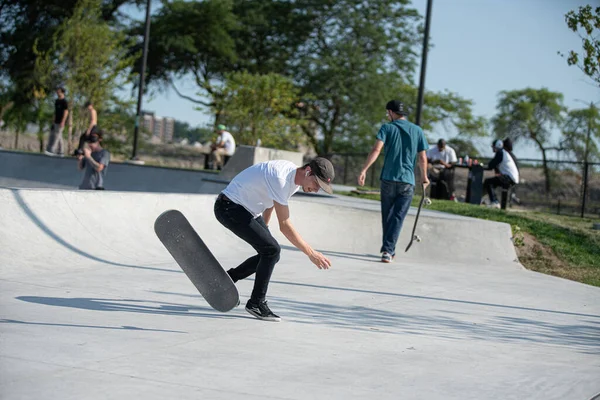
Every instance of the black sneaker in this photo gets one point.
(261, 311)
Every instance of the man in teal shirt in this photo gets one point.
(403, 142)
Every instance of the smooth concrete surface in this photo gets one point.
(93, 307)
(29, 170)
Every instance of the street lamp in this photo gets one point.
(141, 83)
(423, 63)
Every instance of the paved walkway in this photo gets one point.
(93, 307)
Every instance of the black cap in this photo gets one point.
(396, 106)
(322, 168)
(95, 136)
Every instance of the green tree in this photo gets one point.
(531, 114)
(463, 146)
(585, 22)
(345, 56)
(442, 111)
(261, 107)
(356, 50)
(25, 23)
(582, 133)
(43, 111)
(17, 118)
(89, 58)
(183, 130)
(6, 102)
(189, 39)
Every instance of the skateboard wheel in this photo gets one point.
(417, 238)
(427, 201)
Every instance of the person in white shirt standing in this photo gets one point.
(224, 146)
(442, 158)
(507, 173)
(245, 207)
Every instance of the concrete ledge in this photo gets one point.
(246, 156)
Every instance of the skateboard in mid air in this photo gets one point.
(196, 260)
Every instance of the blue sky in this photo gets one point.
(480, 47)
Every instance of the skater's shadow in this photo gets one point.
(123, 327)
(129, 305)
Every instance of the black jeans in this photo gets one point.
(253, 231)
(490, 184)
(444, 175)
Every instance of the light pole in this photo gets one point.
(423, 63)
(585, 159)
(141, 83)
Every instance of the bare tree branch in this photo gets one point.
(183, 96)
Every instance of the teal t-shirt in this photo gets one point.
(402, 141)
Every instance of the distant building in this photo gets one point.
(161, 129)
(147, 121)
(169, 130)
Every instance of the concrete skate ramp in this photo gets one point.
(92, 306)
(118, 225)
(28, 170)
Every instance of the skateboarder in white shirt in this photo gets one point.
(245, 208)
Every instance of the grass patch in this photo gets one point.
(558, 245)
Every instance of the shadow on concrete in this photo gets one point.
(352, 256)
(584, 338)
(124, 327)
(409, 296)
(127, 305)
(69, 246)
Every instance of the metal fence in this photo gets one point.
(568, 187)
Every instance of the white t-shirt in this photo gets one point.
(508, 166)
(448, 155)
(227, 139)
(256, 187)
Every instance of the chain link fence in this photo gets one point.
(563, 187)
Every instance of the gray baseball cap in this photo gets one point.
(322, 168)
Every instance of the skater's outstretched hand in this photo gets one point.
(319, 260)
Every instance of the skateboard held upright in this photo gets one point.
(196, 260)
(414, 237)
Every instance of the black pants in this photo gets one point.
(445, 177)
(490, 184)
(254, 231)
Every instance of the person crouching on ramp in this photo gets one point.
(245, 207)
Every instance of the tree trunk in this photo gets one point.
(5, 108)
(310, 131)
(41, 141)
(70, 132)
(546, 171)
(17, 132)
(545, 165)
